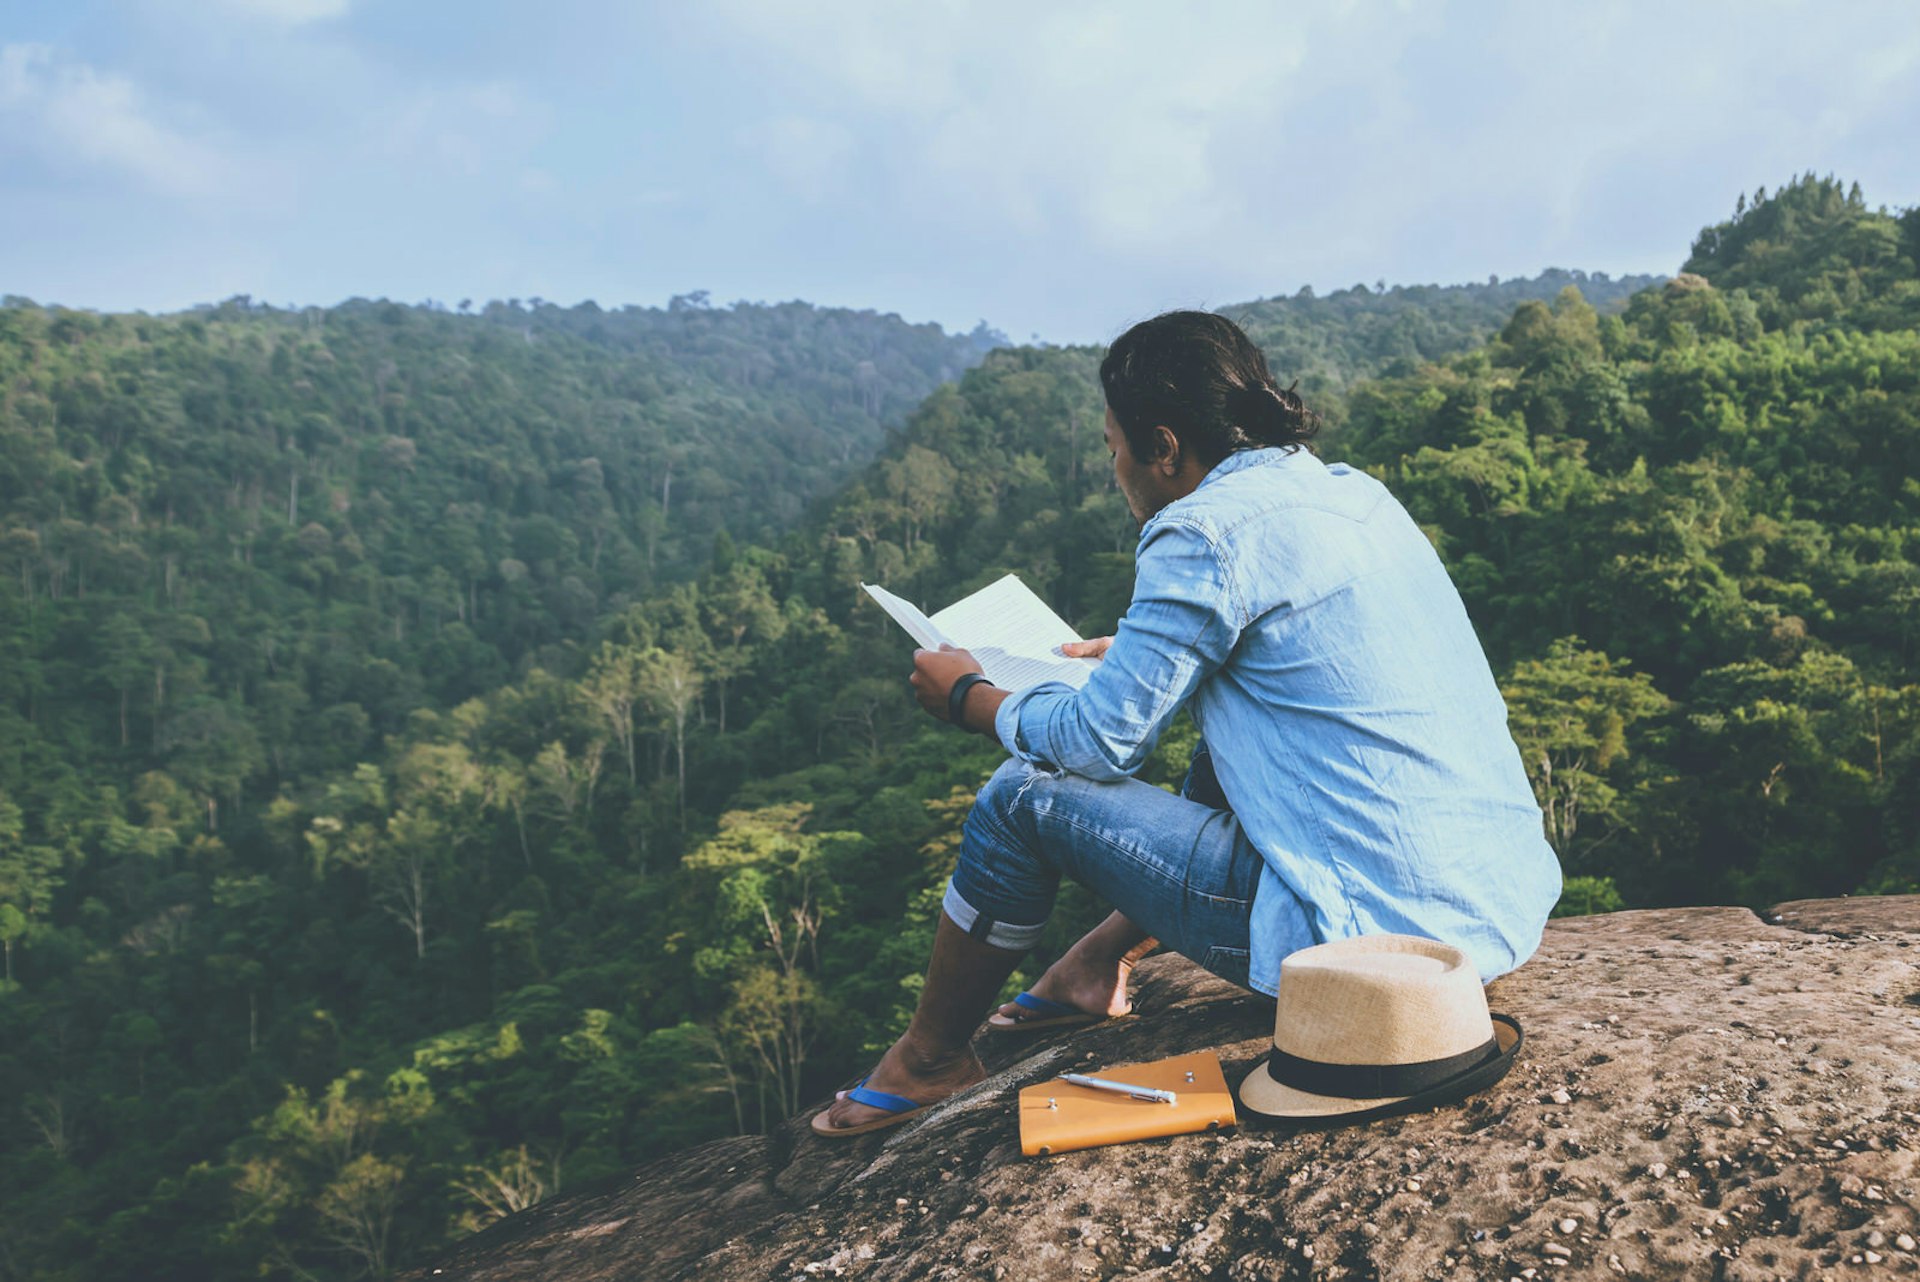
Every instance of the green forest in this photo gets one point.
(446, 759)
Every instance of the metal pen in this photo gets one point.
(1122, 1088)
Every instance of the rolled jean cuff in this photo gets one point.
(1012, 937)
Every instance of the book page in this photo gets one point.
(908, 616)
(1014, 635)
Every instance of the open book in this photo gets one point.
(1011, 631)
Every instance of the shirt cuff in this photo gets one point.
(1006, 721)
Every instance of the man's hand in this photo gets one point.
(1093, 648)
(934, 672)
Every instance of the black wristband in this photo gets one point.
(957, 697)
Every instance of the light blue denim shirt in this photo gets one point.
(1300, 614)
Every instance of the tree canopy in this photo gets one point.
(445, 759)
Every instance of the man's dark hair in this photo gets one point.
(1199, 375)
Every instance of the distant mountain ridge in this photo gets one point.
(1331, 341)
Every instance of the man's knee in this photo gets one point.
(1009, 784)
(999, 823)
(1002, 886)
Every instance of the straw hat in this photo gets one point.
(1377, 1025)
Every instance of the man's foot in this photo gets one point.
(1088, 978)
(903, 1071)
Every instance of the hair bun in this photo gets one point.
(1270, 415)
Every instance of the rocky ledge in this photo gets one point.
(1704, 1093)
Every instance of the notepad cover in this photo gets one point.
(1058, 1117)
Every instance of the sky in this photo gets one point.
(1058, 169)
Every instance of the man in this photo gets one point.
(1355, 774)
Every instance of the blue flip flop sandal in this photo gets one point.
(898, 1107)
(1047, 1013)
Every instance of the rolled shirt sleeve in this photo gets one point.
(1182, 624)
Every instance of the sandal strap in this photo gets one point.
(1046, 1005)
(881, 1099)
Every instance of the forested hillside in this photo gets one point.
(674, 875)
(1331, 342)
(246, 543)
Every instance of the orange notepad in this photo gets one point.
(1058, 1116)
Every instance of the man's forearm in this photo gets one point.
(977, 710)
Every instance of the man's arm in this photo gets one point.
(1181, 626)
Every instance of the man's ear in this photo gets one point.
(1169, 446)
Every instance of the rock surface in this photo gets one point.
(1704, 1093)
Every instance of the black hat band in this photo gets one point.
(1374, 1081)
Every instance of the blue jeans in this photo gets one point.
(1179, 867)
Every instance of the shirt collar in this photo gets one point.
(1238, 461)
(1241, 460)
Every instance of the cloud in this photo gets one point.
(71, 115)
(1230, 147)
(1059, 167)
(1122, 128)
(292, 13)
(477, 131)
(810, 156)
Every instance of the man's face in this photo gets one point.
(1135, 479)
